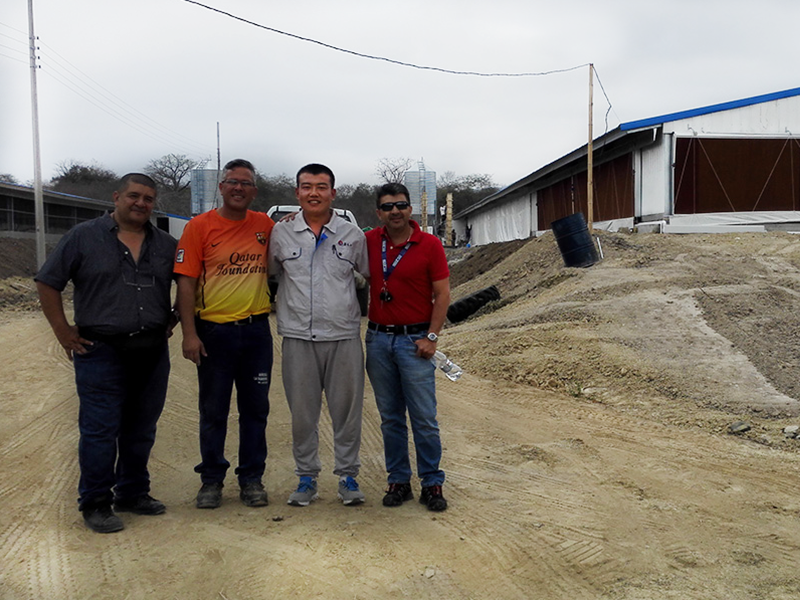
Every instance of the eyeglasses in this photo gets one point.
(388, 206)
(235, 182)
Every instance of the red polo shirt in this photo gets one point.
(411, 282)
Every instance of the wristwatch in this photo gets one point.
(432, 336)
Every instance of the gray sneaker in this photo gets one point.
(305, 493)
(349, 493)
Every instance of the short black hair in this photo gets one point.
(139, 178)
(392, 189)
(316, 169)
(237, 163)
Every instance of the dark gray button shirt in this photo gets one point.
(113, 294)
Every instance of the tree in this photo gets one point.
(466, 189)
(8, 178)
(273, 190)
(392, 170)
(89, 180)
(360, 200)
(171, 171)
(73, 172)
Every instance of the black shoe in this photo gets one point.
(210, 495)
(101, 519)
(253, 494)
(397, 493)
(431, 496)
(140, 505)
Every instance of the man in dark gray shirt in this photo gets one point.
(121, 269)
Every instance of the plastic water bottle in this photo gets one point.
(448, 367)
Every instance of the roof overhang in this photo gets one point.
(27, 193)
(607, 147)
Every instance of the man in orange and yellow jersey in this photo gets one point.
(221, 263)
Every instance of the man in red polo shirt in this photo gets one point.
(409, 297)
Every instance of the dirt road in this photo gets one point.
(550, 498)
(600, 491)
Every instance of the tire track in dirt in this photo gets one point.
(591, 553)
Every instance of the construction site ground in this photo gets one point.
(588, 447)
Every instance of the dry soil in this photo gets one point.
(587, 449)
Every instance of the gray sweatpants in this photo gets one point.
(338, 368)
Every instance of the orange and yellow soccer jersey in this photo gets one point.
(229, 260)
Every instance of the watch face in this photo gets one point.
(433, 337)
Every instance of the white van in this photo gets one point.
(277, 212)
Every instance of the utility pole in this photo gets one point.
(38, 195)
(219, 172)
(590, 158)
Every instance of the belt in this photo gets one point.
(91, 334)
(247, 320)
(399, 329)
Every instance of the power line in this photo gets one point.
(600, 83)
(65, 73)
(95, 88)
(381, 58)
(122, 118)
(25, 33)
(19, 60)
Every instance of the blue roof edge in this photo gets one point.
(709, 109)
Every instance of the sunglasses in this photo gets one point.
(388, 206)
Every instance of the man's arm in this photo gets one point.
(193, 348)
(53, 309)
(441, 301)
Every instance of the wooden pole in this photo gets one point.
(38, 194)
(590, 158)
(448, 226)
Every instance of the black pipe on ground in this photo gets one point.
(461, 309)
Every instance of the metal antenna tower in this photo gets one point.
(423, 195)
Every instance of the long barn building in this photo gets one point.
(735, 164)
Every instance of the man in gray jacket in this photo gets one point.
(317, 257)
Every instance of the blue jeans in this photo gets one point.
(241, 355)
(402, 381)
(121, 398)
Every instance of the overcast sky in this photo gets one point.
(121, 83)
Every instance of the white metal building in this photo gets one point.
(419, 183)
(204, 186)
(735, 164)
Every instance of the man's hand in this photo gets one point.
(71, 340)
(53, 309)
(193, 348)
(425, 348)
(361, 281)
(173, 322)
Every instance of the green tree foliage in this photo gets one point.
(8, 178)
(360, 200)
(272, 190)
(90, 181)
